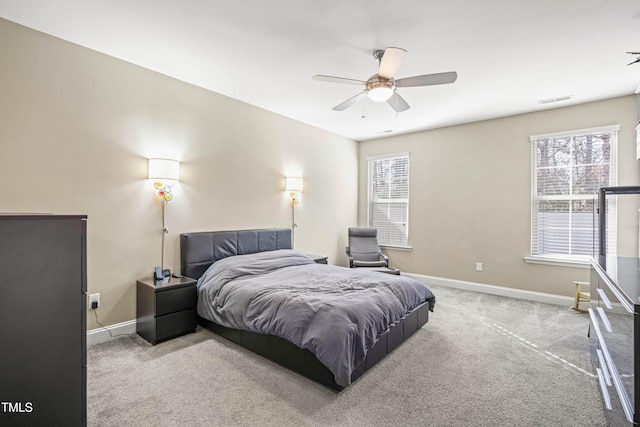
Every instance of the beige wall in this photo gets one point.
(470, 189)
(77, 128)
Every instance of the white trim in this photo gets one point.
(535, 235)
(100, 335)
(388, 156)
(534, 186)
(578, 132)
(397, 247)
(493, 290)
(638, 140)
(560, 262)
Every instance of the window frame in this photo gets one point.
(370, 160)
(580, 261)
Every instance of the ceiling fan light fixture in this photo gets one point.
(380, 93)
(379, 89)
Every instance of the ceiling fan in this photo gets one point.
(382, 86)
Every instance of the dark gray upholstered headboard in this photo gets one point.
(199, 250)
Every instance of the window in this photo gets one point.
(389, 198)
(568, 168)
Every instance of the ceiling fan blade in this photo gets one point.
(332, 79)
(398, 103)
(390, 62)
(428, 79)
(349, 102)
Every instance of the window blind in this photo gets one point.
(388, 198)
(568, 169)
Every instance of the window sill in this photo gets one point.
(397, 248)
(559, 262)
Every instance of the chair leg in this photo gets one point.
(578, 299)
(577, 306)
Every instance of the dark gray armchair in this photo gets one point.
(363, 250)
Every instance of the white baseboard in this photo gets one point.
(493, 290)
(100, 335)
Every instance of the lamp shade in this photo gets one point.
(380, 93)
(164, 169)
(293, 184)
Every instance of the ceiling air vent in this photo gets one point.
(550, 100)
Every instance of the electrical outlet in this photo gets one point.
(92, 298)
(478, 266)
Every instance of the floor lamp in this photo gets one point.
(294, 186)
(165, 174)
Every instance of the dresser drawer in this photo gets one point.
(175, 300)
(614, 321)
(614, 365)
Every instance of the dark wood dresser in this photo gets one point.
(615, 336)
(165, 308)
(43, 314)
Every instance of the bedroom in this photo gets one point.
(78, 127)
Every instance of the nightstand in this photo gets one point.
(165, 308)
(319, 259)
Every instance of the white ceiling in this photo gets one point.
(508, 54)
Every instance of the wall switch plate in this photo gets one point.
(478, 266)
(94, 297)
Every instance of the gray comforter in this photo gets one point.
(336, 313)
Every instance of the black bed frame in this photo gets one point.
(201, 249)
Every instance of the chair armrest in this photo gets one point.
(346, 249)
(384, 257)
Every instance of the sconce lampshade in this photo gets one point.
(164, 169)
(293, 184)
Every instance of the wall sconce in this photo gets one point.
(294, 186)
(165, 174)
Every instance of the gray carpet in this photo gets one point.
(482, 360)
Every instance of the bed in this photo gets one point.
(328, 323)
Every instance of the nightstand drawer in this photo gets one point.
(175, 324)
(176, 300)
